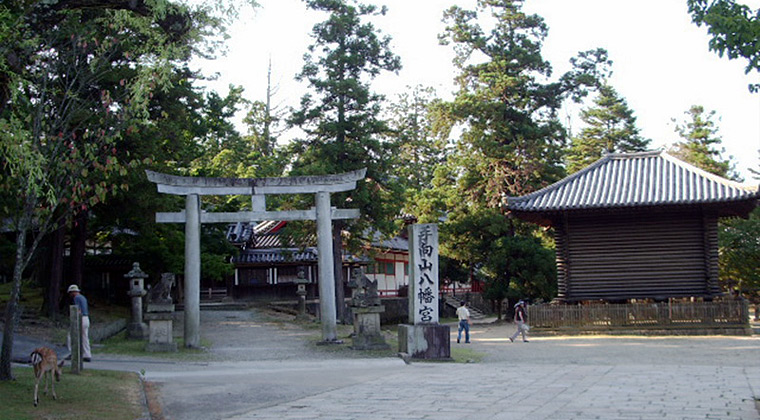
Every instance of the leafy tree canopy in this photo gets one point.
(735, 30)
(76, 78)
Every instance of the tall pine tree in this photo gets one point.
(341, 116)
(504, 120)
(701, 143)
(610, 128)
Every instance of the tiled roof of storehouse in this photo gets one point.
(634, 179)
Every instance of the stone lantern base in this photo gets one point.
(137, 330)
(367, 334)
(160, 320)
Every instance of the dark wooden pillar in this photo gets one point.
(563, 266)
(710, 226)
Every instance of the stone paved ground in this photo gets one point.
(263, 370)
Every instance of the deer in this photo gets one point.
(45, 363)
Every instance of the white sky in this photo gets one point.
(661, 62)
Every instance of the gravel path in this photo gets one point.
(255, 336)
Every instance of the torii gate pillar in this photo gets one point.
(326, 269)
(192, 271)
(257, 188)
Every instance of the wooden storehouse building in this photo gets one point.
(636, 226)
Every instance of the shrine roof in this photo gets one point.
(634, 179)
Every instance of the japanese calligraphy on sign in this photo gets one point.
(423, 274)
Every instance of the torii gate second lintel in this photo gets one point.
(194, 187)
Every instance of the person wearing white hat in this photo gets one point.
(521, 320)
(81, 302)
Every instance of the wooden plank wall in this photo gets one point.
(619, 257)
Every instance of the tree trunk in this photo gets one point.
(340, 295)
(56, 270)
(78, 247)
(11, 310)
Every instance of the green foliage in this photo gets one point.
(417, 149)
(76, 79)
(264, 158)
(507, 139)
(610, 128)
(122, 345)
(739, 241)
(734, 29)
(451, 270)
(215, 254)
(519, 267)
(701, 142)
(511, 140)
(340, 115)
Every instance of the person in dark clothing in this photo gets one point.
(521, 320)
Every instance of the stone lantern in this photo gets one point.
(137, 328)
(301, 281)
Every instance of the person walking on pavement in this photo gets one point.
(81, 302)
(464, 322)
(521, 320)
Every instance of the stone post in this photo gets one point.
(423, 337)
(301, 282)
(137, 328)
(75, 335)
(192, 271)
(326, 271)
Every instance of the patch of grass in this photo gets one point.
(91, 395)
(344, 349)
(102, 311)
(120, 344)
(466, 355)
(31, 296)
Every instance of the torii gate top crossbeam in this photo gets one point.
(183, 185)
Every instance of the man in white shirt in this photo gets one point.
(464, 322)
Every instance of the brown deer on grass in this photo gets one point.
(45, 361)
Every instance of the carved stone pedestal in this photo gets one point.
(367, 334)
(425, 341)
(160, 319)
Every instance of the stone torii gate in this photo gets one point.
(194, 187)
